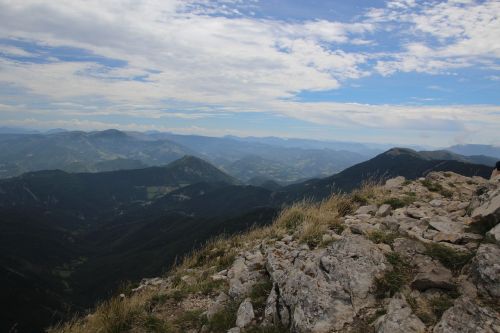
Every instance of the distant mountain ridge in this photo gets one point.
(394, 162)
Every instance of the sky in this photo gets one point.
(397, 71)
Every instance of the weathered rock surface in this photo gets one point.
(494, 234)
(431, 274)
(399, 318)
(467, 317)
(486, 269)
(324, 290)
(245, 314)
(245, 272)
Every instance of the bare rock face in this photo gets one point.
(486, 270)
(245, 314)
(247, 269)
(399, 318)
(467, 317)
(431, 274)
(325, 289)
(494, 234)
(489, 211)
(394, 182)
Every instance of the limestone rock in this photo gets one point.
(467, 317)
(445, 224)
(234, 330)
(431, 274)
(217, 305)
(408, 247)
(245, 314)
(486, 270)
(384, 210)
(494, 234)
(323, 290)
(245, 272)
(489, 211)
(371, 209)
(395, 182)
(399, 318)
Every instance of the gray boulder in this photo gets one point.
(486, 270)
(467, 317)
(494, 234)
(399, 318)
(325, 289)
(431, 274)
(245, 314)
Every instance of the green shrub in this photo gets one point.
(449, 257)
(436, 187)
(383, 237)
(440, 304)
(224, 319)
(259, 293)
(393, 280)
(396, 203)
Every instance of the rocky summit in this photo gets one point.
(406, 256)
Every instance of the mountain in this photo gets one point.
(394, 162)
(82, 152)
(245, 158)
(58, 229)
(475, 149)
(407, 256)
(447, 155)
(109, 150)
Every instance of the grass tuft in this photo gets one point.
(450, 258)
(393, 280)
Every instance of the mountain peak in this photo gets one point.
(109, 134)
(397, 151)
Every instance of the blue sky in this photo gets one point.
(398, 71)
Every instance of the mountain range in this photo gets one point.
(58, 228)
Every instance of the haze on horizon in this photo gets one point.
(398, 71)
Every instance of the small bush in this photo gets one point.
(396, 203)
(395, 279)
(153, 324)
(382, 237)
(224, 319)
(190, 320)
(436, 187)
(440, 304)
(311, 233)
(450, 258)
(259, 293)
(290, 218)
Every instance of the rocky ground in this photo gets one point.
(419, 256)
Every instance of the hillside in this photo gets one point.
(82, 152)
(410, 256)
(59, 228)
(111, 150)
(394, 162)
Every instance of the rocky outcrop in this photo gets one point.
(245, 314)
(486, 270)
(467, 317)
(324, 290)
(418, 259)
(399, 318)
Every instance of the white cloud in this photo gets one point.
(196, 63)
(454, 34)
